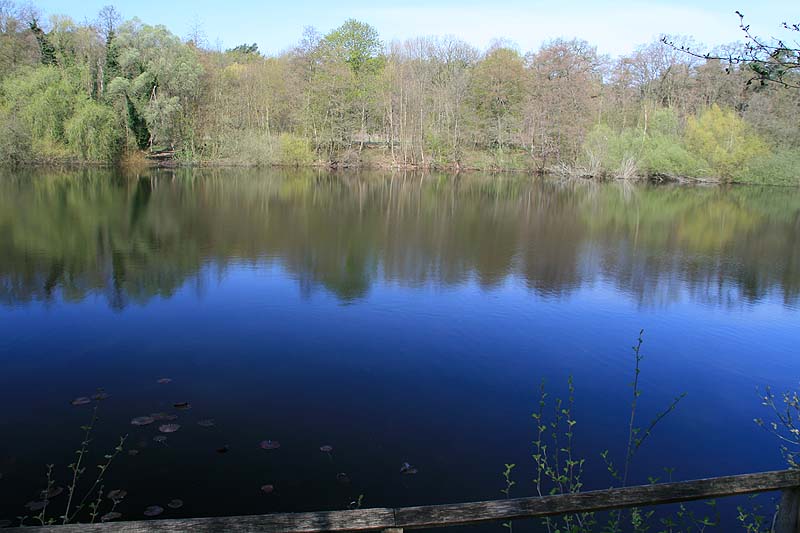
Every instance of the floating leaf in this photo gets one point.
(175, 504)
(326, 449)
(52, 492)
(82, 400)
(182, 405)
(267, 489)
(269, 444)
(142, 420)
(408, 469)
(108, 517)
(169, 428)
(117, 494)
(36, 505)
(153, 510)
(208, 423)
(163, 381)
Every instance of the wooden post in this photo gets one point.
(788, 519)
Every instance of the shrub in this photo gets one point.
(781, 167)
(723, 140)
(295, 150)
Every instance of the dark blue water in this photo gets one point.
(397, 319)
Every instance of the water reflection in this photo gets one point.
(66, 235)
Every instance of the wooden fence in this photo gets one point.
(787, 519)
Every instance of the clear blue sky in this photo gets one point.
(615, 27)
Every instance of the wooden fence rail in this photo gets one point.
(395, 520)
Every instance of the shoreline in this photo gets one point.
(141, 162)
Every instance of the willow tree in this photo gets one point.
(157, 87)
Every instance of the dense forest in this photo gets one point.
(114, 91)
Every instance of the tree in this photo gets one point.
(159, 81)
(46, 50)
(244, 50)
(357, 44)
(497, 87)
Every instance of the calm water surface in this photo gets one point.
(395, 318)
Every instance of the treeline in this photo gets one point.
(109, 91)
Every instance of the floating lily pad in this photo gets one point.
(108, 517)
(175, 504)
(182, 405)
(408, 469)
(161, 439)
(267, 489)
(117, 494)
(82, 400)
(52, 493)
(153, 510)
(169, 428)
(269, 444)
(224, 449)
(142, 420)
(326, 449)
(36, 505)
(163, 381)
(208, 423)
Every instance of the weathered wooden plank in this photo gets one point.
(469, 513)
(601, 500)
(788, 519)
(355, 520)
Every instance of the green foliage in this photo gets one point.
(244, 50)
(427, 102)
(497, 90)
(357, 44)
(659, 150)
(93, 133)
(723, 140)
(159, 79)
(43, 98)
(15, 140)
(294, 150)
(46, 49)
(779, 167)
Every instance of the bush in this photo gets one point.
(723, 140)
(295, 150)
(778, 168)
(659, 151)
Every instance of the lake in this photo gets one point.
(395, 318)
